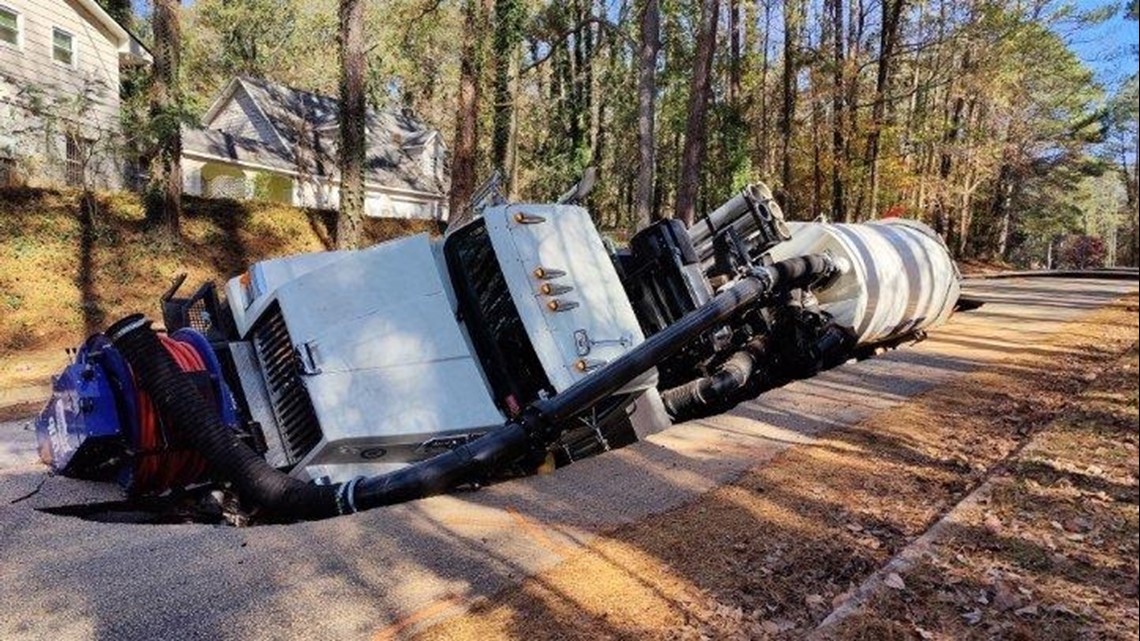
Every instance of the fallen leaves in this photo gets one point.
(894, 581)
(1027, 611)
(777, 626)
(1005, 598)
(992, 524)
(973, 617)
(1049, 545)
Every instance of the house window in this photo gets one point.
(9, 26)
(62, 46)
(74, 164)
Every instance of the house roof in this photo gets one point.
(130, 48)
(223, 146)
(305, 124)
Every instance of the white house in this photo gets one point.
(264, 140)
(60, 62)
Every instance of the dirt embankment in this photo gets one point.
(64, 275)
(774, 553)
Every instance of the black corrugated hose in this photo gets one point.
(182, 408)
(699, 395)
(181, 405)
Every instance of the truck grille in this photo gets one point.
(296, 420)
(489, 312)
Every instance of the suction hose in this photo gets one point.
(181, 404)
(182, 408)
(705, 393)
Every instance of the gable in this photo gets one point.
(240, 117)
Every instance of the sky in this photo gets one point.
(1107, 48)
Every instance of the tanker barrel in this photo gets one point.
(903, 279)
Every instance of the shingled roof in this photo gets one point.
(305, 128)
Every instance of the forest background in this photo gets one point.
(1010, 126)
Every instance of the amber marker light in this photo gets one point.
(524, 218)
(544, 273)
(585, 365)
(554, 289)
(557, 305)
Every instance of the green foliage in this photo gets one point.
(120, 10)
(1006, 175)
(288, 41)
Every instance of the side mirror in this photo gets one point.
(581, 189)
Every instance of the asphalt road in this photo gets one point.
(390, 570)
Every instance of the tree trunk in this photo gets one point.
(856, 24)
(353, 116)
(507, 38)
(945, 165)
(969, 183)
(792, 17)
(513, 150)
(1130, 193)
(164, 191)
(965, 220)
(1003, 236)
(647, 110)
(464, 151)
(1003, 194)
(764, 150)
(693, 154)
(578, 107)
(888, 36)
(598, 101)
(911, 157)
(736, 42)
(817, 125)
(838, 210)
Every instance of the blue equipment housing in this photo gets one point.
(82, 430)
(90, 428)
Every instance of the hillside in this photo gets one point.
(63, 277)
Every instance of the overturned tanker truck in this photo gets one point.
(334, 382)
